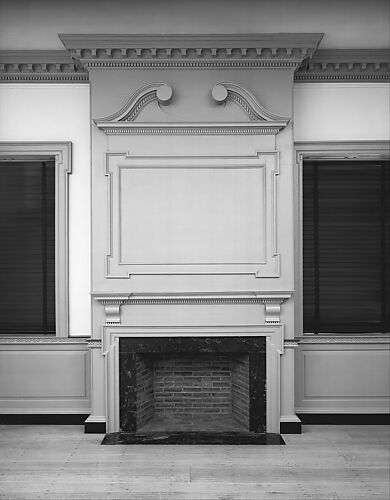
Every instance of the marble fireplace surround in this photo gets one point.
(274, 340)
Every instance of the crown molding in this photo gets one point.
(274, 50)
(39, 66)
(345, 65)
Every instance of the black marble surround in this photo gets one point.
(131, 347)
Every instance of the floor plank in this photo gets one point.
(325, 462)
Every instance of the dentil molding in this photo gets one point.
(112, 302)
(273, 50)
(345, 65)
(40, 66)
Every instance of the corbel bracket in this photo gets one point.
(112, 306)
(272, 307)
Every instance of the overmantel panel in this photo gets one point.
(192, 170)
(199, 215)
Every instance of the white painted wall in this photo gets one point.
(60, 112)
(341, 111)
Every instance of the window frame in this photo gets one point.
(325, 151)
(61, 153)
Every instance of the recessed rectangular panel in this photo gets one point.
(175, 215)
(43, 374)
(346, 374)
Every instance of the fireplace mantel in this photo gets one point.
(112, 302)
(274, 348)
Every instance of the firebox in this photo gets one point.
(199, 384)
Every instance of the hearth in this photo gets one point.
(191, 386)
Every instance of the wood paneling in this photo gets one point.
(51, 378)
(342, 378)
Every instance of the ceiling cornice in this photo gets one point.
(275, 50)
(40, 66)
(337, 65)
(345, 65)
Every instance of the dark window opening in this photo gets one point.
(27, 247)
(346, 235)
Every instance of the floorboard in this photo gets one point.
(325, 462)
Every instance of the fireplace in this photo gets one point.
(201, 384)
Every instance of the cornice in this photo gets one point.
(345, 65)
(275, 50)
(40, 66)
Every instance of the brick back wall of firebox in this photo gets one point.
(192, 384)
(145, 396)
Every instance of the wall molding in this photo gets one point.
(345, 65)
(238, 128)
(61, 153)
(36, 66)
(121, 51)
(266, 263)
(40, 340)
(343, 339)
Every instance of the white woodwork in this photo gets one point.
(339, 377)
(44, 377)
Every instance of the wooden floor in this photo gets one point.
(325, 462)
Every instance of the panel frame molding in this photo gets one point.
(115, 161)
(61, 153)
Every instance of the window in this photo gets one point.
(27, 249)
(346, 235)
(34, 238)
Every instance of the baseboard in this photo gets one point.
(290, 424)
(95, 425)
(344, 418)
(42, 419)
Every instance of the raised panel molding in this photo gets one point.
(342, 375)
(43, 375)
(123, 260)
